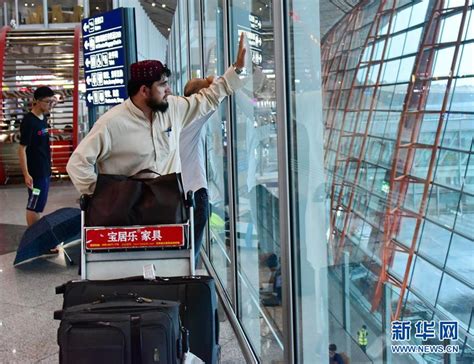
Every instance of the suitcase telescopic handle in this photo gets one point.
(122, 296)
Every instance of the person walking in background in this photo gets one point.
(362, 338)
(193, 169)
(35, 153)
(334, 357)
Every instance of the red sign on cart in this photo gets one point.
(135, 237)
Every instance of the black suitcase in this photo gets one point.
(197, 295)
(132, 330)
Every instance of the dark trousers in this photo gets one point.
(201, 214)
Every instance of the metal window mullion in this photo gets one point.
(283, 122)
(17, 13)
(179, 26)
(231, 180)
(201, 36)
(188, 45)
(45, 14)
(87, 9)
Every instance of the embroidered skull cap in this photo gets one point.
(144, 71)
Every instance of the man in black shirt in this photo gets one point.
(35, 153)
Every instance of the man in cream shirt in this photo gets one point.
(143, 132)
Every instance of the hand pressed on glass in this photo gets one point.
(239, 64)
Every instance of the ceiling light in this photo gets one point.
(153, 4)
(26, 4)
(163, 5)
(169, 29)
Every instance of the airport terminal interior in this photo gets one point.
(340, 176)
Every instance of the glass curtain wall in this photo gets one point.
(244, 164)
(183, 43)
(194, 11)
(398, 107)
(305, 128)
(259, 278)
(217, 147)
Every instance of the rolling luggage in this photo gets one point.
(110, 253)
(126, 329)
(197, 295)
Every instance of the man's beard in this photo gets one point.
(157, 106)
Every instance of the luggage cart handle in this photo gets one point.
(190, 199)
(84, 201)
(190, 206)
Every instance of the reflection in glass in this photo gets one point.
(183, 42)
(438, 111)
(99, 6)
(194, 37)
(256, 180)
(216, 142)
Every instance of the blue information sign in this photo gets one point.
(104, 58)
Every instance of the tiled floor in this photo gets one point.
(27, 296)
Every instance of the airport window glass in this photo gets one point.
(178, 55)
(30, 12)
(462, 96)
(183, 42)
(450, 28)
(194, 37)
(217, 147)
(96, 6)
(465, 64)
(416, 309)
(456, 298)
(460, 257)
(464, 223)
(419, 13)
(256, 178)
(434, 242)
(469, 28)
(443, 59)
(308, 240)
(7, 11)
(71, 11)
(426, 103)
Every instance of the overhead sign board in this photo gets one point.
(104, 40)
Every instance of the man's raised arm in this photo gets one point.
(208, 99)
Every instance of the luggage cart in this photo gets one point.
(123, 251)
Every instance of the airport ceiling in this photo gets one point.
(161, 12)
